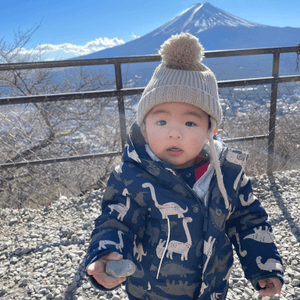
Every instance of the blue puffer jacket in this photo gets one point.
(181, 238)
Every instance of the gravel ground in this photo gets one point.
(42, 251)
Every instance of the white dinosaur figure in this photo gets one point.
(139, 250)
(238, 159)
(244, 180)
(118, 168)
(133, 155)
(207, 250)
(260, 235)
(215, 296)
(119, 246)
(179, 247)
(203, 287)
(230, 211)
(251, 199)
(167, 209)
(270, 265)
(121, 208)
(160, 248)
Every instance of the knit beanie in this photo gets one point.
(181, 77)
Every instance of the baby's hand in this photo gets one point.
(270, 286)
(97, 270)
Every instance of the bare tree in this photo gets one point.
(37, 131)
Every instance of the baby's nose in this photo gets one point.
(175, 134)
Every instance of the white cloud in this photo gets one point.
(76, 50)
(134, 36)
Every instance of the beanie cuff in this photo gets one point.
(179, 94)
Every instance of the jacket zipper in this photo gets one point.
(203, 208)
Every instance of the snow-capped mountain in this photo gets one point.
(201, 17)
(216, 30)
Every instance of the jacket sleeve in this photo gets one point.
(252, 236)
(115, 230)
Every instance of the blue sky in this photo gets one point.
(71, 28)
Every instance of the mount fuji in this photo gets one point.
(216, 30)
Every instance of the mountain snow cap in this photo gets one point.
(182, 51)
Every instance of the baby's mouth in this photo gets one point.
(174, 149)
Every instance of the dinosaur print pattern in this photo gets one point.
(119, 246)
(132, 154)
(251, 199)
(179, 289)
(260, 235)
(121, 208)
(232, 232)
(270, 265)
(179, 247)
(174, 269)
(208, 245)
(237, 158)
(138, 249)
(167, 209)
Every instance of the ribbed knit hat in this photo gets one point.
(181, 77)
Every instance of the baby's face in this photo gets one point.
(176, 132)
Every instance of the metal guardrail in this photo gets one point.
(121, 92)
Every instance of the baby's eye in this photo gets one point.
(161, 123)
(190, 124)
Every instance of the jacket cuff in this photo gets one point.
(256, 280)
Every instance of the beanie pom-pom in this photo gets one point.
(181, 51)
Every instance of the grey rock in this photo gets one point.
(296, 282)
(13, 221)
(14, 260)
(120, 268)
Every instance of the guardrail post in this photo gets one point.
(272, 120)
(121, 106)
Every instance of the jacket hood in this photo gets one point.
(137, 151)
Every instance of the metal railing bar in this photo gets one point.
(254, 51)
(134, 91)
(243, 139)
(70, 96)
(58, 160)
(79, 62)
(258, 81)
(140, 58)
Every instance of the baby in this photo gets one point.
(180, 199)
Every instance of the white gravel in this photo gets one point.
(42, 251)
